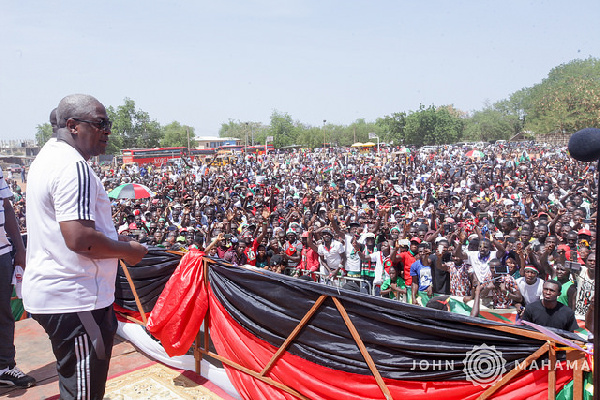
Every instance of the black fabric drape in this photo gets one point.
(398, 336)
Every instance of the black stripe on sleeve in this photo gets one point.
(83, 196)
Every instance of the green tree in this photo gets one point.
(513, 110)
(358, 131)
(490, 123)
(135, 127)
(233, 129)
(115, 144)
(176, 135)
(335, 135)
(244, 130)
(433, 126)
(43, 133)
(283, 129)
(310, 137)
(567, 100)
(392, 127)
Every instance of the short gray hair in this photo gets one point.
(74, 106)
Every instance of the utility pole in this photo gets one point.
(246, 136)
(324, 142)
(187, 129)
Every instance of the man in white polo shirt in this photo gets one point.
(73, 249)
(331, 253)
(479, 260)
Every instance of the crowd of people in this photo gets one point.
(505, 227)
(405, 224)
(442, 219)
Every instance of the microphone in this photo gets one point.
(584, 145)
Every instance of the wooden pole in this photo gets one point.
(577, 357)
(502, 381)
(294, 333)
(197, 349)
(552, 372)
(363, 349)
(257, 375)
(519, 331)
(135, 296)
(207, 315)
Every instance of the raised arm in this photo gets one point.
(311, 244)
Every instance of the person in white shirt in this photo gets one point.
(530, 286)
(479, 260)
(332, 254)
(73, 249)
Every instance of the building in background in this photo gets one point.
(212, 142)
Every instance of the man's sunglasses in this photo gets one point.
(103, 125)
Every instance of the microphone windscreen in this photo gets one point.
(584, 145)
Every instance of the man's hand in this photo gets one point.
(136, 253)
(230, 215)
(266, 214)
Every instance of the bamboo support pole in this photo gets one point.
(552, 372)
(257, 375)
(578, 358)
(293, 335)
(502, 381)
(135, 296)
(363, 350)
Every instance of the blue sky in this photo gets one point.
(203, 63)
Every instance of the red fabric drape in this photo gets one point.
(180, 309)
(317, 382)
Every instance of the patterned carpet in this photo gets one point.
(158, 382)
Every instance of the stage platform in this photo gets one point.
(35, 358)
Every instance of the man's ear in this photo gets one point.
(72, 125)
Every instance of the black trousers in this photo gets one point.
(7, 320)
(82, 344)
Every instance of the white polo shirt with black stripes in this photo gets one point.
(63, 187)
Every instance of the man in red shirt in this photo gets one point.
(406, 259)
(309, 259)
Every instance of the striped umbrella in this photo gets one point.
(130, 191)
(475, 154)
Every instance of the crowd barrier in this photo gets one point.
(339, 281)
